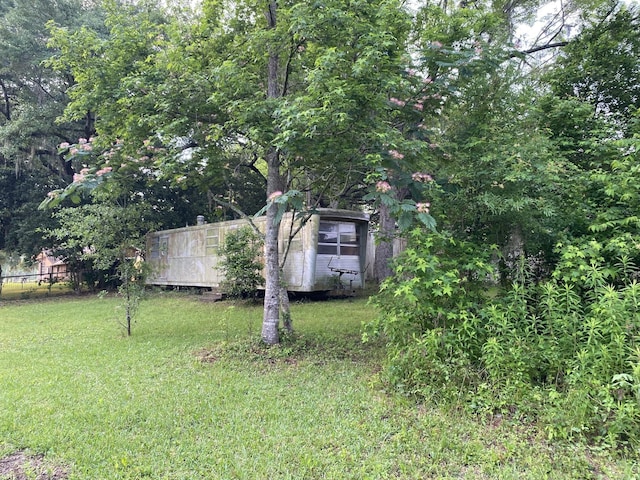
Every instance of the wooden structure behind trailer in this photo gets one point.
(52, 268)
(328, 253)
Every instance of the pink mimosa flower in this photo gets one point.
(383, 187)
(274, 195)
(396, 154)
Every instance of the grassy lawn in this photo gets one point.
(27, 290)
(191, 395)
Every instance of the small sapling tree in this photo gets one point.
(131, 272)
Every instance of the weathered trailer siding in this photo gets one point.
(300, 256)
(189, 256)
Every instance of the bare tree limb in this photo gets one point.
(287, 69)
(237, 210)
(539, 48)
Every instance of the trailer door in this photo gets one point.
(338, 254)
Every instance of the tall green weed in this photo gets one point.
(563, 352)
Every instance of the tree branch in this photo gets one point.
(237, 210)
(539, 48)
(251, 165)
(287, 69)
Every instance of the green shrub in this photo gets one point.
(426, 307)
(241, 262)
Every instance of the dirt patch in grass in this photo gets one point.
(207, 355)
(293, 350)
(20, 466)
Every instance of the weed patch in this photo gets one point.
(32, 290)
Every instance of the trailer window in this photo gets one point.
(155, 248)
(338, 238)
(213, 241)
(159, 247)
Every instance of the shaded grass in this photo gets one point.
(192, 394)
(28, 290)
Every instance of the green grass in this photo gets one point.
(192, 395)
(28, 290)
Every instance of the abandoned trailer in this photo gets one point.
(329, 252)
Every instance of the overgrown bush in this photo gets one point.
(433, 299)
(241, 263)
(564, 352)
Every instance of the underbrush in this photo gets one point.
(563, 354)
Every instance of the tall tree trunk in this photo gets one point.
(271, 313)
(285, 308)
(512, 255)
(384, 245)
